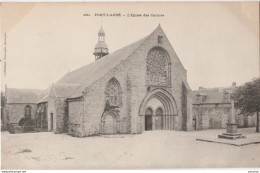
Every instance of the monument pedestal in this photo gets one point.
(231, 125)
(231, 132)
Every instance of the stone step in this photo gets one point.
(232, 134)
(224, 136)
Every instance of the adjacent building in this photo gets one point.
(20, 109)
(212, 108)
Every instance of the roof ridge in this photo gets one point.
(213, 89)
(25, 89)
(141, 42)
(107, 55)
(90, 73)
(66, 84)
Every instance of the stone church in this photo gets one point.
(142, 86)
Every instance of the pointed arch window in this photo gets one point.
(27, 111)
(113, 93)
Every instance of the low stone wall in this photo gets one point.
(210, 116)
(215, 116)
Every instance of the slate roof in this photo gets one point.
(213, 95)
(15, 95)
(44, 99)
(73, 83)
(93, 71)
(88, 74)
(66, 90)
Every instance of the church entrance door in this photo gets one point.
(148, 119)
(148, 122)
(158, 110)
(194, 124)
(159, 119)
(109, 125)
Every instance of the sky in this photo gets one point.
(217, 42)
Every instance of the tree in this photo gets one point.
(247, 99)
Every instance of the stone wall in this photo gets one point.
(51, 111)
(184, 107)
(58, 107)
(131, 75)
(215, 116)
(251, 121)
(136, 64)
(75, 125)
(94, 103)
(61, 115)
(5, 119)
(211, 116)
(3, 112)
(246, 121)
(16, 111)
(127, 119)
(41, 117)
(189, 111)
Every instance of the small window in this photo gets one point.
(160, 39)
(28, 110)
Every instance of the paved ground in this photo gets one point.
(247, 138)
(154, 149)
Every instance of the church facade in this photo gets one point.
(142, 86)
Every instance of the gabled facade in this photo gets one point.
(21, 105)
(142, 86)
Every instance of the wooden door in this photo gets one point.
(109, 125)
(148, 122)
(158, 119)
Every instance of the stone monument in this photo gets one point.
(231, 126)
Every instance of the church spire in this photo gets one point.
(101, 47)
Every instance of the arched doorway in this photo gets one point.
(167, 110)
(159, 119)
(148, 119)
(110, 123)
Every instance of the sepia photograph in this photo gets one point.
(130, 85)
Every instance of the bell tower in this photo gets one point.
(100, 49)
